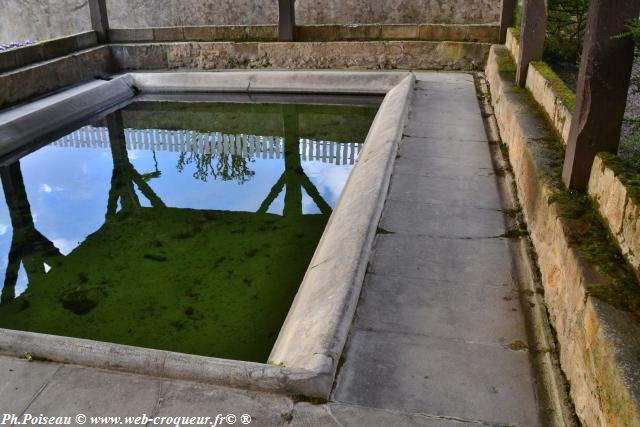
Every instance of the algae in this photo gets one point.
(211, 282)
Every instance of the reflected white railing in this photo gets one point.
(266, 147)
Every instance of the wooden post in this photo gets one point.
(532, 32)
(603, 82)
(507, 13)
(99, 19)
(287, 20)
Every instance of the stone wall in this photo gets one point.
(44, 19)
(598, 342)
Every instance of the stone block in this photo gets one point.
(315, 33)
(399, 32)
(483, 377)
(435, 32)
(261, 32)
(360, 32)
(168, 34)
(126, 35)
(86, 40)
(482, 33)
(199, 34)
(228, 33)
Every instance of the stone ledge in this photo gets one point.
(599, 344)
(38, 79)
(619, 204)
(16, 58)
(513, 42)
(401, 55)
(607, 187)
(553, 95)
(484, 33)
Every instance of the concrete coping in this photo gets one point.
(48, 49)
(305, 356)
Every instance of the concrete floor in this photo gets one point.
(439, 337)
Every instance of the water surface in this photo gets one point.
(175, 226)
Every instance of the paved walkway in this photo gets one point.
(438, 328)
(438, 336)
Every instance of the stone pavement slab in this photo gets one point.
(21, 381)
(442, 377)
(437, 220)
(468, 261)
(464, 316)
(479, 192)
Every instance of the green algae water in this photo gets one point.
(177, 226)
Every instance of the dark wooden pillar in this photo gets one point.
(99, 19)
(603, 82)
(507, 15)
(532, 32)
(287, 20)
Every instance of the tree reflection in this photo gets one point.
(294, 178)
(223, 166)
(124, 175)
(28, 246)
(33, 250)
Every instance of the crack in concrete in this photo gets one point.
(449, 339)
(39, 392)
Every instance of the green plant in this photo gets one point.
(567, 23)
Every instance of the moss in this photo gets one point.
(517, 345)
(559, 87)
(186, 302)
(515, 32)
(381, 230)
(586, 230)
(507, 67)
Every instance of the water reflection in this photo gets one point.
(85, 219)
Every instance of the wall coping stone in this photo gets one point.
(486, 33)
(45, 50)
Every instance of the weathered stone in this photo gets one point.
(598, 343)
(131, 35)
(360, 32)
(22, 20)
(198, 34)
(311, 33)
(400, 32)
(441, 32)
(262, 32)
(161, 34)
(433, 375)
(621, 211)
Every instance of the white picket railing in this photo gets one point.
(266, 147)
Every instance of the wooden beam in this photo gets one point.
(507, 16)
(287, 20)
(532, 32)
(603, 82)
(99, 19)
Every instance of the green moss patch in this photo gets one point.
(175, 279)
(558, 86)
